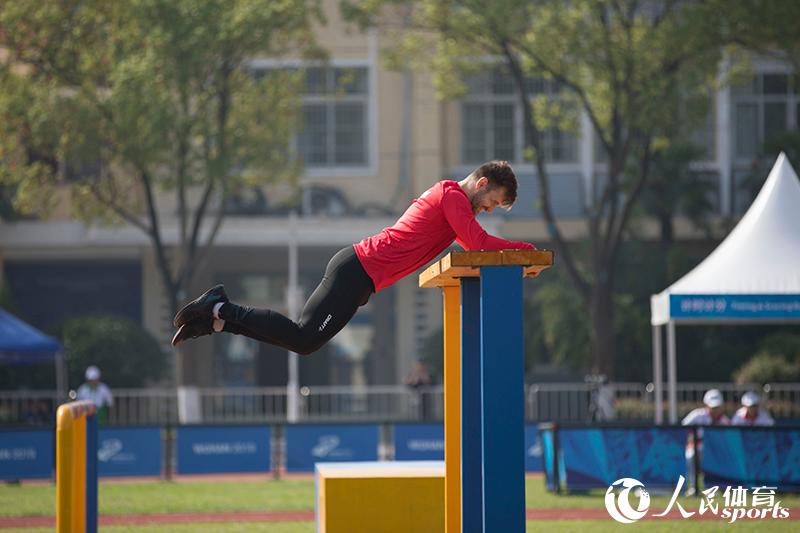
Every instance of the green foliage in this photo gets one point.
(766, 367)
(789, 143)
(121, 101)
(763, 26)
(564, 324)
(126, 353)
(632, 328)
(776, 361)
(150, 85)
(674, 188)
(782, 343)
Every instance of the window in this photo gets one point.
(704, 135)
(764, 108)
(334, 131)
(492, 123)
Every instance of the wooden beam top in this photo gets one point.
(455, 265)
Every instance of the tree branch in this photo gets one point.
(630, 201)
(118, 209)
(544, 187)
(573, 86)
(206, 248)
(219, 172)
(158, 244)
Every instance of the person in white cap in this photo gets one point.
(711, 414)
(751, 413)
(97, 392)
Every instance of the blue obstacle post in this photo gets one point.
(502, 399)
(491, 398)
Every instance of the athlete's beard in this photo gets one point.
(476, 200)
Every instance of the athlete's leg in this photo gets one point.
(344, 288)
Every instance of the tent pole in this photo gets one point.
(61, 376)
(658, 377)
(672, 373)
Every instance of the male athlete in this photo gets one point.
(444, 213)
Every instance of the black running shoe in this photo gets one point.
(193, 329)
(202, 307)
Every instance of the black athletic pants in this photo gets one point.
(344, 288)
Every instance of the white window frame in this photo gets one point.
(521, 167)
(329, 102)
(791, 98)
(370, 168)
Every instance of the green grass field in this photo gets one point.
(560, 526)
(298, 494)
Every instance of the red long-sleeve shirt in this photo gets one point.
(442, 214)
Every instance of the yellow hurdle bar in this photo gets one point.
(449, 270)
(452, 408)
(71, 466)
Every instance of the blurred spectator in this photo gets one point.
(751, 413)
(601, 398)
(711, 414)
(418, 379)
(97, 392)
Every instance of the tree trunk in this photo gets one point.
(178, 371)
(603, 338)
(667, 232)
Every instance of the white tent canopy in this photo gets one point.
(752, 276)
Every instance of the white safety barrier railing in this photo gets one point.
(143, 406)
(559, 402)
(243, 404)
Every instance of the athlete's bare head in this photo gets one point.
(491, 185)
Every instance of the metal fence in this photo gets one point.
(28, 407)
(556, 402)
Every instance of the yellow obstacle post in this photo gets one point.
(452, 407)
(76, 469)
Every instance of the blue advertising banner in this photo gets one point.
(129, 451)
(548, 455)
(753, 306)
(218, 449)
(595, 458)
(534, 450)
(418, 442)
(310, 444)
(752, 457)
(27, 454)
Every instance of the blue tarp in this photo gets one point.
(21, 343)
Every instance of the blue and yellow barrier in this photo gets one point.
(76, 467)
(483, 386)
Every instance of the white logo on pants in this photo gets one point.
(325, 323)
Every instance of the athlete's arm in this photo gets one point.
(469, 233)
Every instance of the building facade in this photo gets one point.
(372, 140)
